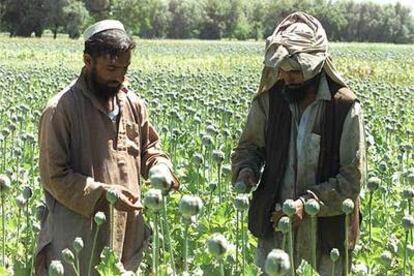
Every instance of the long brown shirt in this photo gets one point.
(80, 149)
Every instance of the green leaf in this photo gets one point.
(20, 268)
(305, 269)
(109, 265)
(3, 271)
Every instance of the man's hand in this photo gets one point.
(127, 201)
(296, 219)
(247, 176)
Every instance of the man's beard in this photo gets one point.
(103, 90)
(296, 93)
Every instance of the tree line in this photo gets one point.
(344, 20)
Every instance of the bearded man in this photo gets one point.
(304, 138)
(95, 137)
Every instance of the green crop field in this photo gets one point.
(198, 94)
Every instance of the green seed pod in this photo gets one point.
(188, 220)
(198, 159)
(41, 210)
(283, 224)
(67, 256)
(212, 186)
(334, 254)
(347, 206)
(226, 169)
(36, 227)
(158, 179)
(27, 192)
(289, 207)
(240, 187)
(5, 132)
(392, 246)
(360, 270)
(408, 222)
(312, 207)
(383, 166)
(56, 268)
(277, 262)
(408, 193)
(112, 196)
(21, 201)
(99, 218)
(410, 178)
(373, 183)
(386, 259)
(78, 245)
(153, 199)
(190, 206)
(241, 202)
(4, 183)
(207, 140)
(218, 156)
(212, 130)
(217, 245)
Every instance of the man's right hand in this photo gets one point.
(248, 177)
(127, 200)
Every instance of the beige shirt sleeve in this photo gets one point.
(347, 183)
(250, 151)
(75, 191)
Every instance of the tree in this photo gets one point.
(76, 16)
(256, 12)
(56, 16)
(146, 18)
(242, 30)
(185, 19)
(128, 11)
(23, 17)
(214, 23)
(330, 16)
(100, 9)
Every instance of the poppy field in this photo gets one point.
(198, 94)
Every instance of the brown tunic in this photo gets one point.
(80, 149)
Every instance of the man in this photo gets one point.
(303, 139)
(95, 136)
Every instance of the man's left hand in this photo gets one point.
(296, 219)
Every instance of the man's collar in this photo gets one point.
(323, 89)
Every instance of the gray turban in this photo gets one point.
(299, 42)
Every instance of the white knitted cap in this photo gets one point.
(101, 26)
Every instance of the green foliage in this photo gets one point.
(75, 18)
(185, 19)
(305, 269)
(343, 20)
(23, 17)
(110, 264)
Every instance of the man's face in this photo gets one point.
(107, 73)
(296, 87)
(292, 79)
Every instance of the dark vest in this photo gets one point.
(331, 232)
